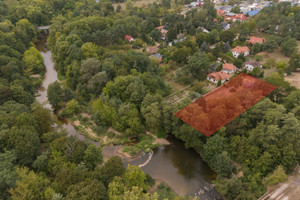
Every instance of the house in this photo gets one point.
(220, 12)
(225, 25)
(152, 50)
(129, 38)
(228, 16)
(249, 65)
(253, 12)
(163, 31)
(239, 17)
(216, 76)
(240, 50)
(157, 56)
(229, 68)
(259, 40)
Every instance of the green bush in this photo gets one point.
(277, 176)
(110, 134)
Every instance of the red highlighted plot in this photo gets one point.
(217, 108)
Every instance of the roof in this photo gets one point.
(254, 40)
(128, 37)
(228, 66)
(160, 27)
(224, 24)
(253, 12)
(219, 12)
(219, 75)
(253, 63)
(240, 17)
(240, 49)
(152, 50)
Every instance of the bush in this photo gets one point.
(277, 176)
(258, 58)
(111, 134)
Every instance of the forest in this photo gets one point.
(120, 86)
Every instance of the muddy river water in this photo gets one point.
(180, 168)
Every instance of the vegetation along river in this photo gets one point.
(181, 169)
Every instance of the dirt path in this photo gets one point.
(158, 140)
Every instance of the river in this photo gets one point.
(181, 169)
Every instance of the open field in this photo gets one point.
(294, 79)
(276, 54)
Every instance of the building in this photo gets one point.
(254, 40)
(240, 50)
(253, 12)
(152, 50)
(249, 65)
(163, 31)
(229, 68)
(225, 25)
(239, 17)
(157, 56)
(129, 38)
(216, 76)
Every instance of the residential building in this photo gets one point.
(157, 56)
(254, 40)
(229, 68)
(225, 25)
(240, 50)
(163, 32)
(129, 38)
(249, 65)
(152, 50)
(216, 76)
(239, 17)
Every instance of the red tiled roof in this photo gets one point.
(219, 75)
(128, 37)
(160, 27)
(254, 40)
(152, 50)
(240, 17)
(219, 12)
(240, 49)
(228, 66)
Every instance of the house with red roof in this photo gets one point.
(220, 12)
(152, 50)
(239, 17)
(163, 31)
(129, 38)
(240, 50)
(216, 76)
(259, 40)
(229, 68)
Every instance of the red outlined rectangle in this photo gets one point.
(218, 107)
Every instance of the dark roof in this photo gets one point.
(253, 63)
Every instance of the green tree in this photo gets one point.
(29, 186)
(8, 176)
(89, 50)
(87, 189)
(113, 167)
(288, 46)
(277, 176)
(270, 45)
(236, 9)
(198, 66)
(93, 156)
(33, 61)
(25, 142)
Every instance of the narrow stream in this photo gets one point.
(181, 169)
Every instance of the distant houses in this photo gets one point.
(249, 65)
(240, 51)
(216, 76)
(254, 40)
(129, 38)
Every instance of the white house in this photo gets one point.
(216, 76)
(240, 50)
(229, 68)
(249, 65)
(225, 25)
